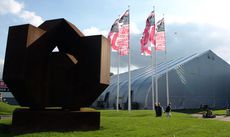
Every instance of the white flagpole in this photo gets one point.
(129, 54)
(167, 77)
(153, 70)
(118, 81)
(118, 76)
(156, 79)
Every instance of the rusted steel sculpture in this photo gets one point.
(40, 78)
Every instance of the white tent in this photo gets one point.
(198, 79)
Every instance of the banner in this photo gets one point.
(152, 30)
(160, 35)
(123, 35)
(148, 35)
(113, 34)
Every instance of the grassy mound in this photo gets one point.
(6, 109)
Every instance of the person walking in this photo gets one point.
(168, 110)
(156, 110)
(159, 109)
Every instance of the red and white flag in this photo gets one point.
(123, 35)
(119, 34)
(160, 35)
(148, 35)
(113, 34)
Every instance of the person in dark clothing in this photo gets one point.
(155, 107)
(159, 110)
(168, 110)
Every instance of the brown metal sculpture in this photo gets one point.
(40, 78)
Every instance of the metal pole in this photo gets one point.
(129, 54)
(118, 76)
(118, 80)
(153, 72)
(156, 79)
(155, 62)
(167, 77)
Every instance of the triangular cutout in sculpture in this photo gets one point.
(55, 49)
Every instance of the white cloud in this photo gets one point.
(204, 12)
(31, 17)
(134, 29)
(10, 6)
(16, 8)
(95, 31)
(1, 61)
(222, 49)
(1, 67)
(171, 19)
(216, 12)
(223, 52)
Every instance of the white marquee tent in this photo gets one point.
(197, 79)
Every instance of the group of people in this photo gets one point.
(159, 110)
(207, 112)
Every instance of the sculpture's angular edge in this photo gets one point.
(40, 78)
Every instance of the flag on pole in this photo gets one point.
(113, 34)
(148, 35)
(119, 39)
(119, 34)
(160, 35)
(151, 20)
(123, 35)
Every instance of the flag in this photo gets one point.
(151, 20)
(123, 34)
(148, 35)
(160, 35)
(113, 34)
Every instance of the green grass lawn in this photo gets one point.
(140, 123)
(219, 112)
(6, 109)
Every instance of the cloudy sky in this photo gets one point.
(191, 25)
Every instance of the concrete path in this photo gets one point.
(5, 116)
(218, 117)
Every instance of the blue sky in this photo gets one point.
(199, 24)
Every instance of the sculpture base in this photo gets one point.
(26, 120)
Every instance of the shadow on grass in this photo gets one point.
(5, 131)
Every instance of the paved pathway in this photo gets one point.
(218, 117)
(5, 116)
